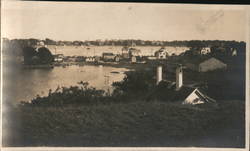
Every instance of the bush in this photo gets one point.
(72, 95)
(135, 84)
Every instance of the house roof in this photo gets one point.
(183, 93)
(166, 90)
(134, 50)
(108, 54)
(198, 60)
(125, 48)
(161, 50)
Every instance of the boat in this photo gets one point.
(116, 72)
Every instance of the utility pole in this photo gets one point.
(107, 83)
(55, 50)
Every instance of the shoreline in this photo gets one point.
(127, 65)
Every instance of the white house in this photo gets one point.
(151, 58)
(183, 93)
(108, 56)
(161, 54)
(188, 94)
(117, 58)
(205, 50)
(125, 53)
(205, 65)
(58, 57)
(234, 52)
(134, 52)
(133, 59)
(90, 59)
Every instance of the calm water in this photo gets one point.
(29, 82)
(98, 50)
(25, 84)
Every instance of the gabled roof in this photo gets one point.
(108, 54)
(134, 50)
(183, 93)
(166, 90)
(161, 50)
(198, 60)
(125, 48)
(205, 96)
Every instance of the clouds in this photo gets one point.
(89, 21)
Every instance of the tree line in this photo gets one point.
(123, 42)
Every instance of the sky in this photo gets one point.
(146, 21)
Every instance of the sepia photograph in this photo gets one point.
(96, 74)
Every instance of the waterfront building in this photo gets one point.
(117, 58)
(151, 58)
(90, 59)
(205, 50)
(108, 56)
(234, 52)
(125, 53)
(134, 52)
(58, 57)
(133, 59)
(161, 54)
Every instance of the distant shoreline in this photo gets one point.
(127, 65)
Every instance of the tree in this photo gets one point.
(45, 55)
(50, 41)
(28, 54)
(135, 83)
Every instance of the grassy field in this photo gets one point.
(137, 123)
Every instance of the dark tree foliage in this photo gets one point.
(33, 57)
(131, 42)
(32, 41)
(135, 83)
(45, 55)
(82, 94)
(29, 53)
(196, 44)
(49, 41)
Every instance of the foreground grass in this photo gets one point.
(129, 124)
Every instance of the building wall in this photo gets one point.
(125, 55)
(205, 50)
(134, 53)
(107, 57)
(211, 64)
(160, 55)
(117, 59)
(90, 60)
(133, 59)
(58, 59)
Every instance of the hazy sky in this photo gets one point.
(90, 21)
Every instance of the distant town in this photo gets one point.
(128, 53)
